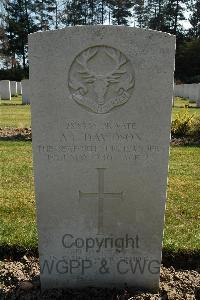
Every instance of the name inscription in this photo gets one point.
(107, 141)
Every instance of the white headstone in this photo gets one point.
(185, 91)
(181, 90)
(5, 90)
(25, 91)
(19, 88)
(13, 88)
(195, 91)
(101, 112)
(190, 91)
(178, 90)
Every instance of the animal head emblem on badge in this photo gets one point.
(101, 78)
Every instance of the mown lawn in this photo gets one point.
(14, 114)
(183, 200)
(17, 206)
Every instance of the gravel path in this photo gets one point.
(20, 280)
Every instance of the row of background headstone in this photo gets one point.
(191, 91)
(10, 89)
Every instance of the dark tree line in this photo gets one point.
(18, 18)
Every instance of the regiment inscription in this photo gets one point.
(98, 87)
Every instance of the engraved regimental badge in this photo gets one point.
(101, 78)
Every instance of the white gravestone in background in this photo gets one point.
(191, 91)
(5, 90)
(13, 88)
(195, 91)
(25, 91)
(19, 88)
(177, 90)
(101, 112)
(181, 90)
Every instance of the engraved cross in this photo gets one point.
(100, 196)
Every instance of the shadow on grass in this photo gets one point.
(186, 106)
(185, 260)
(16, 252)
(16, 138)
(12, 104)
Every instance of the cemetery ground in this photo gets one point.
(14, 114)
(18, 237)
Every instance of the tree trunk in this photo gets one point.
(159, 6)
(23, 55)
(102, 12)
(92, 9)
(42, 17)
(176, 16)
(56, 15)
(27, 18)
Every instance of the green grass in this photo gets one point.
(14, 114)
(183, 203)
(17, 100)
(17, 207)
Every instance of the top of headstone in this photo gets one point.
(117, 28)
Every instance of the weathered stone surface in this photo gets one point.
(101, 114)
(5, 90)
